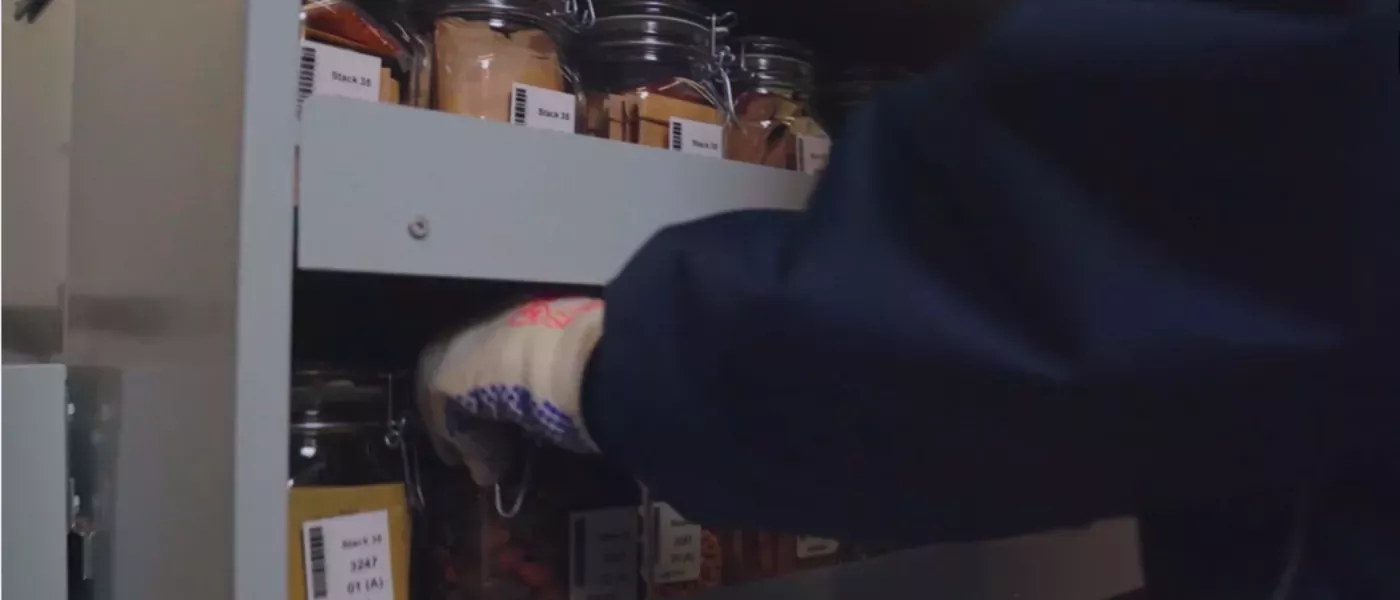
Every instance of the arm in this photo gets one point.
(1122, 255)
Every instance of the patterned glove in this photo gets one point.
(524, 367)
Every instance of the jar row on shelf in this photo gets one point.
(372, 509)
(660, 73)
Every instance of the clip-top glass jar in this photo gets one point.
(361, 49)
(484, 48)
(345, 459)
(573, 531)
(775, 124)
(647, 63)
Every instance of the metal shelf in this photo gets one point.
(394, 190)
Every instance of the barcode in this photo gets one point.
(316, 541)
(306, 79)
(517, 111)
(676, 136)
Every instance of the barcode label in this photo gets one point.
(349, 557)
(603, 554)
(695, 137)
(813, 152)
(316, 542)
(306, 78)
(330, 71)
(677, 546)
(542, 108)
(676, 135)
(517, 109)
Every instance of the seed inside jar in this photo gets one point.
(478, 63)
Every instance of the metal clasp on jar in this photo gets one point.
(412, 473)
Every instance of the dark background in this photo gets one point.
(910, 33)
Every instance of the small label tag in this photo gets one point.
(813, 152)
(813, 547)
(677, 546)
(330, 71)
(694, 137)
(539, 108)
(348, 558)
(603, 554)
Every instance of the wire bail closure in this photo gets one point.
(520, 491)
(723, 58)
(576, 16)
(394, 438)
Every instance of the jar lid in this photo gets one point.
(651, 30)
(678, 9)
(537, 12)
(339, 400)
(765, 61)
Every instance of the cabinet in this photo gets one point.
(185, 247)
(36, 481)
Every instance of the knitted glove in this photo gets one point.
(524, 368)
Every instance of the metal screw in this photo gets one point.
(418, 228)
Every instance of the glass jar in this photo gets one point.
(557, 525)
(483, 48)
(345, 459)
(340, 421)
(448, 553)
(647, 63)
(755, 555)
(569, 527)
(360, 49)
(775, 123)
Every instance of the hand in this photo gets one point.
(523, 367)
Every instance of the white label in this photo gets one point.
(677, 546)
(330, 71)
(694, 137)
(603, 554)
(813, 151)
(539, 108)
(348, 558)
(813, 547)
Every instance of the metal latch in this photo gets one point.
(92, 429)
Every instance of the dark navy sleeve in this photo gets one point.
(1120, 255)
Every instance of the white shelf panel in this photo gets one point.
(500, 201)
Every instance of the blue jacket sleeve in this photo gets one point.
(1120, 255)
